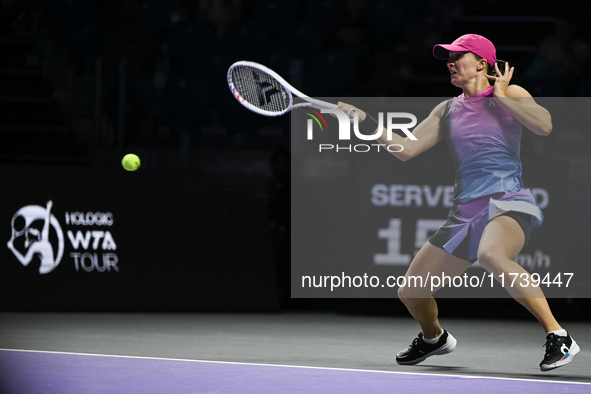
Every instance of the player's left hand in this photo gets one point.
(501, 80)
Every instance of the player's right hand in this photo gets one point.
(350, 110)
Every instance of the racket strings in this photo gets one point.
(260, 89)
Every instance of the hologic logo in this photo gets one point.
(36, 232)
(31, 227)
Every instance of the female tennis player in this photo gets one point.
(492, 215)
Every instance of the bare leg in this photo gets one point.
(501, 241)
(419, 301)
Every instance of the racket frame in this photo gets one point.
(310, 102)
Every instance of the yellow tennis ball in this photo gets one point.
(131, 162)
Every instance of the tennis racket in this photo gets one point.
(263, 91)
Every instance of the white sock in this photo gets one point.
(434, 340)
(560, 333)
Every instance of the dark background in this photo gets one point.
(85, 81)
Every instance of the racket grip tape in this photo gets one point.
(369, 125)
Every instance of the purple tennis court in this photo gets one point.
(270, 353)
(50, 372)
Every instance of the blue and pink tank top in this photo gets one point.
(484, 140)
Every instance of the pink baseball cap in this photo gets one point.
(474, 43)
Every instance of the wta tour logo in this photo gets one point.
(32, 229)
(37, 234)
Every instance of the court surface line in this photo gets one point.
(290, 366)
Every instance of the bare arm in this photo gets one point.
(521, 104)
(427, 133)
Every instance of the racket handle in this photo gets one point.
(319, 104)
